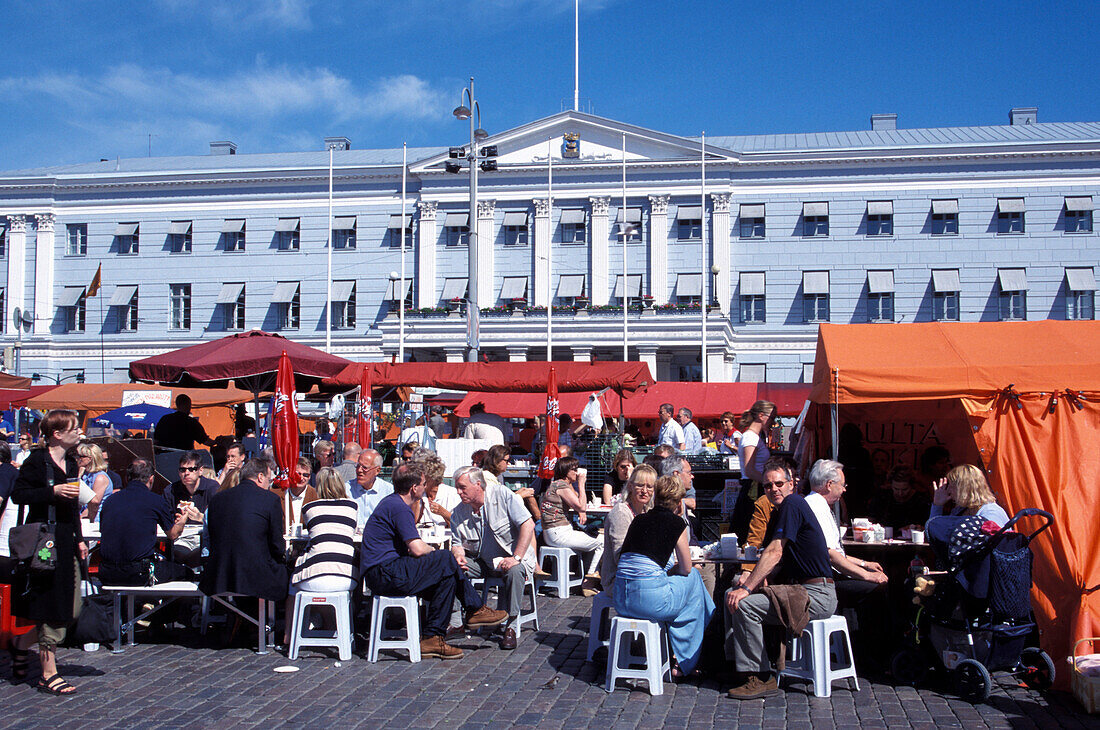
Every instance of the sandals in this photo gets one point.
(55, 685)
(20, 665)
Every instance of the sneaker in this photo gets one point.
(754, 688)
(435, 646)
(485, 616)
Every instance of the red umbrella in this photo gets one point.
(284, 430)
(550, 452)
(363, 408)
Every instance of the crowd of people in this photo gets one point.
(414, 534)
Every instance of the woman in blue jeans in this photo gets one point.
(650, 584)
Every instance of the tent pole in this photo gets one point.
(834, 415)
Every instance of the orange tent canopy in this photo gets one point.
(508, 377)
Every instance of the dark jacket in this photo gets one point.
(204, 492)
(247, 550)
(50, 598)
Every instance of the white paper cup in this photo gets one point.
(596, 501)
(918, 537)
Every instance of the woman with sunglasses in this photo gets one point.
(637, 498)
(726, 435)
(621, 468)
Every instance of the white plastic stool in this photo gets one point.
(301, 635)
(824, 640)
(560, 577)
(619, 656)
(527, 617)
(382, 639)
(602, 606)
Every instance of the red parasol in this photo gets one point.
(363, 408)
(284, 431)
(550, 452)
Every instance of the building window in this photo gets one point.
(343, 232)
(287, 235)
(1080, 293)
(752, 220)
(515, 229)
(454, 289)
(232, 300)
(880, 296)
(815, 219)
(689, 289)
(945, 295)
(3, 320)
(233, 232)
(343, 305)
(394, 231)
(631, 227)
(945, 217)
(513, 290)
(395, 286)
(689, 223)
(125, 299)
(179, 303)
(633, 287)
(880, 218)
(456, 227)
(126, 234)
(1013, 297)
(1010, 215)
(752, 373)
(76, 236)
(807, 372)
(570, 289)
(179, 237)
(573, 229)
(3, 241)
(751, 290)
(287, 298)
(1079, 214)
(74, 301)
(815, 296)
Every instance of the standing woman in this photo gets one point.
(621, 468)
(47, 480)
(93, 473)
(753, 453)
(727, 437)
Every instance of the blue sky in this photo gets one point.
(89, 79)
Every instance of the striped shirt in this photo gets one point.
(331, 525)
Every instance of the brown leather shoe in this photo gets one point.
(754, 688)
(509, 640)
(485, 616)
(435, 646)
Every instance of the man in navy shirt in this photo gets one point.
(396, 562)
(799, 542)
(128, 522)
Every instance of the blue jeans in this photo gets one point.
(680, 602)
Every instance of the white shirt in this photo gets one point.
(417, 434)
(693, 440)
(19, 456)
(367, 499)
(760, 456)
(824, 514)
(488, 426)
(671, 433)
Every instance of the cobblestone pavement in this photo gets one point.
(545, 683)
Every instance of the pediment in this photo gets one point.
(598, 142)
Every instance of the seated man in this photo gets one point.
(778, 485)
(128, 523)
(396, 562)
(800, 544)
(493, 532)
(300, 495)
(245, 528)
(900, 505)
(194, 489)
(367, 489)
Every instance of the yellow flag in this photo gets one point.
(93, 288)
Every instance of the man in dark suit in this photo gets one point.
(245, 527)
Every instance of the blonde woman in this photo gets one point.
(967, 492)
(637, 498)
(93, 474)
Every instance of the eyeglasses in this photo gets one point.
(366, 467)
(776, 485)
(189, 468)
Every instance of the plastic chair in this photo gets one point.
(380, 638)
(810, 656)
(619, 656)
(9, 629)
(301, 635)
(602, 606)
(560, 577)
(525, 617)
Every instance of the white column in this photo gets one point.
(17, 266)
(598, 266)
(664, 366)
(720, 253)
(43, 273)
(427, 236)
(455, 354)
(658, 248)
(716, 365)
(541, 274)
(517, 353)
(582, 353)
(648, 355)
(486, 294)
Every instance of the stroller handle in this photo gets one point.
(1048, 520)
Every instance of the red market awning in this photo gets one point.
(18, 398)
(499, 377)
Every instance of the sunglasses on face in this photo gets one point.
(189, 468)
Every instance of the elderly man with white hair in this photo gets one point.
(493, 532)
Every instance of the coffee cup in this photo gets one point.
(751, 552)
(888, 533)
(918, 537)
(596, 501)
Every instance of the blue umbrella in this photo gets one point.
(139, 415)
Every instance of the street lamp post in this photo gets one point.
(469, 109)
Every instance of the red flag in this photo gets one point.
(363, 431)
(550, 452)
(284, 431)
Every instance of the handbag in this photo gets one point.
(34, 544)
(95, 624)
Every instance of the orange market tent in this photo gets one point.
(1023, 397)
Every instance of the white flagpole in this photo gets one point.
(401, 292)
(703, 268)
(550, 250)
(328, 276)
(624, 230)
(576, 55)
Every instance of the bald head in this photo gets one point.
(352, 451)
(367, 467)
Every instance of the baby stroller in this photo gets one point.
(978, 618)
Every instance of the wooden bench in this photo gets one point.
(263, 620)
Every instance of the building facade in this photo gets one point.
(757, 239)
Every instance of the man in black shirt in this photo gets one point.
(179, 429)
(800, 544)
(128, 522)
(195, 490)
(8, 473)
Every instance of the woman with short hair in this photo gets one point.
(93, 474)
(621, 467)
(967, 492)
(637, 499)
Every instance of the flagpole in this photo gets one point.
(703, 253)
(550, 250)
(401, 292)
(624, 230)
(102, 323)
(576, 55)
(328, 276)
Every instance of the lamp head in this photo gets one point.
(715, 269)
(480, 134)
(462, 112)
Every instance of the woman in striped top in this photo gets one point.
(328, 565)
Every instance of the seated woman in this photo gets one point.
(434, 509)
(643, 589)
(329, 564)
(93, 473)
(561, 500)
(964, 492)
(494, 464)
(638, 499)
(615, 484)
